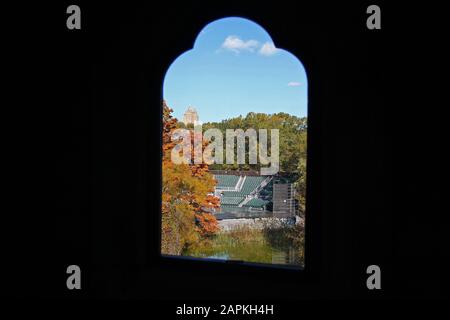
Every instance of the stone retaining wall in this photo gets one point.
(257, 223)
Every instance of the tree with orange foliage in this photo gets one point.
(187, 198)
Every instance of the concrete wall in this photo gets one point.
(258, 223)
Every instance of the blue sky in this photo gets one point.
(235, 68)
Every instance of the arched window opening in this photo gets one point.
(234, 149)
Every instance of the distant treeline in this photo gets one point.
(292, 138)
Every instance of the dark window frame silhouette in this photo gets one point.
(219, 264)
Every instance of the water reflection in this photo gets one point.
(288, 256)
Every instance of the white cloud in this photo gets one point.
(235, 44)
(294, 84)
(268, 49)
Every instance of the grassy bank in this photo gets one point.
(267, 245)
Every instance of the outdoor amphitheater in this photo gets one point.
(248, 195)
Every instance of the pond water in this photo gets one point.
(249, 251)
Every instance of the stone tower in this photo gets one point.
(190, 116)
